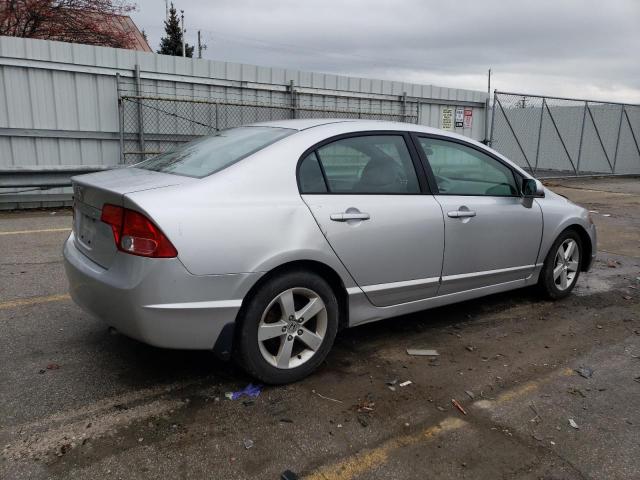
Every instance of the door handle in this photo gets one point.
(461, 214)
(343, 217)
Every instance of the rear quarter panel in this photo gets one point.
(248, 217)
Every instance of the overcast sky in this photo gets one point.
(575, 48)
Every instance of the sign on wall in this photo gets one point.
(446, 122)
(468, 117)
(459, 116)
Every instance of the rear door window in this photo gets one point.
(211, 154)
(368, 164)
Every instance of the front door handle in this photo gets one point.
(345, 216)
(461, 214)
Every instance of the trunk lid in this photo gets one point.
(90, 192)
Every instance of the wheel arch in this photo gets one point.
(587, 247)
(321, 269)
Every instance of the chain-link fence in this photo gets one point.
(152, 121)
(560, 136)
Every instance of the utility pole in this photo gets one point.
(201, 46)
(184, 50)
(489, 83)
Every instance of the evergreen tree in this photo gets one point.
(171, 43)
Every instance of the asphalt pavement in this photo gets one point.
(79, 402)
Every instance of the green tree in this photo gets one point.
(171, 43)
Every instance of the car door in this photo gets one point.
(369, 200)
(492, 235)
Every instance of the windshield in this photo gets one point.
(211, 154)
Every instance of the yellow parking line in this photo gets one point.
(22, 302)
(44, 230)
(370, 459)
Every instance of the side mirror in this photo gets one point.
(532, 188)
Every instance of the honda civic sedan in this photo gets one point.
(262, 242)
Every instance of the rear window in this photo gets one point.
(211, 154)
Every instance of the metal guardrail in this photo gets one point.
(44, 177)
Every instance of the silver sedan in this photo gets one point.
(264, 241)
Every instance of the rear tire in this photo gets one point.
(276, 343)
(561, 268)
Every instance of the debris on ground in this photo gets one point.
(584, 372)
(53, 366)
(470, 394)
(391, 383)
(286, 420)
(458, 406)
(326, 398)
(470, 348)
(365, 407)
(288, 475)
(422, 352)
(573, 424)
(576, 391)
(626, 297)
(362, 421)
(405, 383)
(606, 214)
(248, 443)
(613, 263)
(251, 390)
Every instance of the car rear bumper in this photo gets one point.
(156, 301)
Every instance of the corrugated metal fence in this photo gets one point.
(70, 107)
(562, 136)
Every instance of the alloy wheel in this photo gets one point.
(566, 264)
(292, 328)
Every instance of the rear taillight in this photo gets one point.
(136, 234)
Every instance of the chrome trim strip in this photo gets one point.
(197, 305)
(354, 290)
(485, 273)
(395, 285)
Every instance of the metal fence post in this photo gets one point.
(544, 102)
(403, 99)
(140, 113)
(120, 118)
(493, 118)
(584, 119)
(615, 155)
(292, 92)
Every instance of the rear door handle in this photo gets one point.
(461, 214)
(343, 217)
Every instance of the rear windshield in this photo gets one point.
(210, 154)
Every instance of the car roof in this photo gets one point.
(353, 124)
(335, 126)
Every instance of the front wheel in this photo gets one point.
(288, 327)
(562, 266)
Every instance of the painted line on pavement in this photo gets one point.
(43, 230)
(368, 460)
(23, 302)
